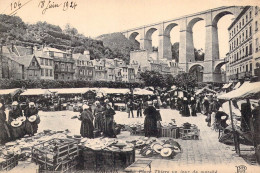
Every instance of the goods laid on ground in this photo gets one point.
(189, 131)
(165, 149)
(106, 154)
(136, 129)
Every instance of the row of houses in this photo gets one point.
(18, 62)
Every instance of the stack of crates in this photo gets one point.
(170, 132)
(9, 163)
(63, 158)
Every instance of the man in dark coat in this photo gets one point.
(246, 114)
(31, 127)
(139, 108)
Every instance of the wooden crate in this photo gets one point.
(169, 132)
(188, 134)
(9, 163)
(68, 150)
(69, 165)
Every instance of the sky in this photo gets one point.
(96, 17)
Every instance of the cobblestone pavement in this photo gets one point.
(203, 155)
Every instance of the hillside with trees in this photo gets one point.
(14, 30)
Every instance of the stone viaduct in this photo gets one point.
(211, 64)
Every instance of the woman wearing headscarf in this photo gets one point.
(150, 121)
(86, 117)
(31, 127)
(193, 106)
(185, 109)
(109, 121)
(15, 113)
(4, 132)
(98, 114)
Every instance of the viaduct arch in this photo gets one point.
(186, 49)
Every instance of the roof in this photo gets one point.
(9, 91)
(238, 17)
(22, 51)
(247, 90)
(139, 91)
(237, 85)
(37, 91)
(42, 54)
(226, 85)
(25, 60)
(205, 89)
(114, 90)
(71, 90)
(53, 50)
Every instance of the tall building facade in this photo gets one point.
(240, 56)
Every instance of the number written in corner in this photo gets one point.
(15, 5)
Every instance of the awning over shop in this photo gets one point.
(31, 92)
(9, 91)
(247, 90)
(237, 85)
(114, 90)
(139, 91)
(205, 89)
(226, 86)
(71, 90)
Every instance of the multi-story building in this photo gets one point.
(100, 70)
(256, 41)
(32, 68)
(84, 68)
(46, 64)
(10, 68)
(63, 63)
(124, 73)
(240, 56)
(131, 74)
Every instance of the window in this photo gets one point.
(46, 72)
(243, 22)
(246, 34)
(51, 54)
(42, 72)
(250, 14)
(251, 68)
(250, 31)
(246, 18)
(50, 62)
(243, 35)
(46, 61)
(51, 74)
(42, 61)
(33, 63)
(256, 26)
(247, 68)
(256, 10)
(250, 49)
(246, 50)
(35, 73)
(239, 25)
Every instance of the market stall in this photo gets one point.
(205, 90)
(8, 94)
(246, 91)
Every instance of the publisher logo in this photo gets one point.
(241, 169)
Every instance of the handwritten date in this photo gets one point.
(45, 5)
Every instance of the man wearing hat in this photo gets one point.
(86, 117)
(31, 114)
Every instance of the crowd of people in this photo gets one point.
(20, 122)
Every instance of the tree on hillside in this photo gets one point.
(70, 30)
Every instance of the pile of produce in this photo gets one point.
(162, 148)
